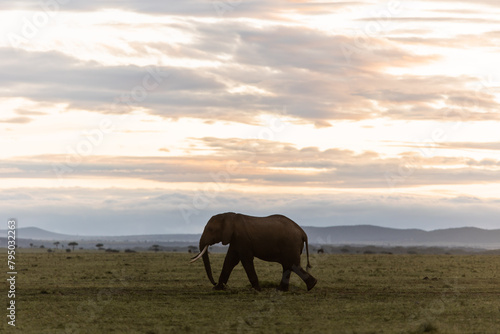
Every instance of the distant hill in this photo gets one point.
(36, 233)
(333, 235)
(375, 235)
(27, 237)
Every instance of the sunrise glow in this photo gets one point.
(307, 109)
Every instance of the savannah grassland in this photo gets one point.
(97, 292)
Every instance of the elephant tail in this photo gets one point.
(307, 252)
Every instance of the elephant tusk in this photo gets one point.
(199, 255)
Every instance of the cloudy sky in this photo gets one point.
(149, 117)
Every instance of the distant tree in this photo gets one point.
(56, 244)
(68, 250)
(73, 244)
(31, 245)
(99, 245)
(42, 246)
(49, 250)
(155, 248)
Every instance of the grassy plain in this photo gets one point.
(97, 292)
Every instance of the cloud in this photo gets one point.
(195, 8)
(30, 112)
(264, 163)
(56, 77)
(16, 120)
(474, 2)
(494, 146)
(486, 40)
(318, 76)
(415, 98)
(442, 19)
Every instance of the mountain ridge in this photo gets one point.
(365, 234)
(331, 235)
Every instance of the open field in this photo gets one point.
(97, 292)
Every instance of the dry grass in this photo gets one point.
(93, 292)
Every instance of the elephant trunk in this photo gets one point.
(206, 241)
(208, 268)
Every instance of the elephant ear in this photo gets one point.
(228, 229)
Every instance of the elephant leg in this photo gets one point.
(252, 275)
(231, 260)
(285, 280)
(305, 276)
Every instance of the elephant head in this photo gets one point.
(220, 228)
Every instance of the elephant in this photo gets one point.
(274, 238)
